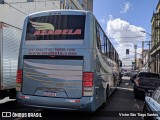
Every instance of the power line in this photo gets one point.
(9, 4)
(128, 37)
(34, 1)
(16, 8)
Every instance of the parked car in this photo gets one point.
(152, 106)
(144, 82)
(126, 74)
(133, 76)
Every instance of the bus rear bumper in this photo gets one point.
(82, 104)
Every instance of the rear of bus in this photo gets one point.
(55, 68)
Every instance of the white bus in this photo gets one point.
(66, 62)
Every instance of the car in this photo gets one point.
(144, 82)
(151, 107)
(133, 76)
(126, 74)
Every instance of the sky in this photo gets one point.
(123, 21)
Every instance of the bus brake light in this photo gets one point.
(88, 83)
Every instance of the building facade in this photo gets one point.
(155, 42)
(144, 62)
(77, 4)
(138, 64)
(13, 9)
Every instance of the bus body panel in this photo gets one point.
(82, 104)
(53, 69)
(53, 77)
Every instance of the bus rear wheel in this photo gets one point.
(106, 97)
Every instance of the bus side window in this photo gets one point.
(102, 41)
(105, 45)
(109, 52)
(98, 38)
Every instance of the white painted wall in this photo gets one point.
(13, 17)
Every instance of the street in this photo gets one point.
(119, 103)
(70, 55)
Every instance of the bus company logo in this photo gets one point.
(49, 29)
(6, 114)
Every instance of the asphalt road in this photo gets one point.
(121, 102)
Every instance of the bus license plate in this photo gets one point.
(50, 94)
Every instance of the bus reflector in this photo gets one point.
(87, 83)
(76, 101)
(19, 80)
(24, 97)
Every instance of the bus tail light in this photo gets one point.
(87, 83)
(19, 80)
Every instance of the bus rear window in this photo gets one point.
(56, 27)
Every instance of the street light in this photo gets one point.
(135, 47)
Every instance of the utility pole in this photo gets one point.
(148, 61)
(142, 48)
(149, 43)
(135, 47)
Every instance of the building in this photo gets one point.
(14, 12)
(155, 44)
(138, 64)
(145, 66)
(77, 4)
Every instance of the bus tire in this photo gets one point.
(107, 92)
(105, 99)
(103, 105)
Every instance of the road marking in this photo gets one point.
(130, 89)
(6, 99)
(137, 106)
(37, 110)
(136, 103)
(31, 112)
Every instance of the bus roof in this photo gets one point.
(59, 12)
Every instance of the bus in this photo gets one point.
(66, 62)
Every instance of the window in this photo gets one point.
(107, 51)
(110, 51)
(98, 38)
(105, 44)
(149, 75)
(56, 27)
(156, 95)
(61, 5)
(101, 40)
